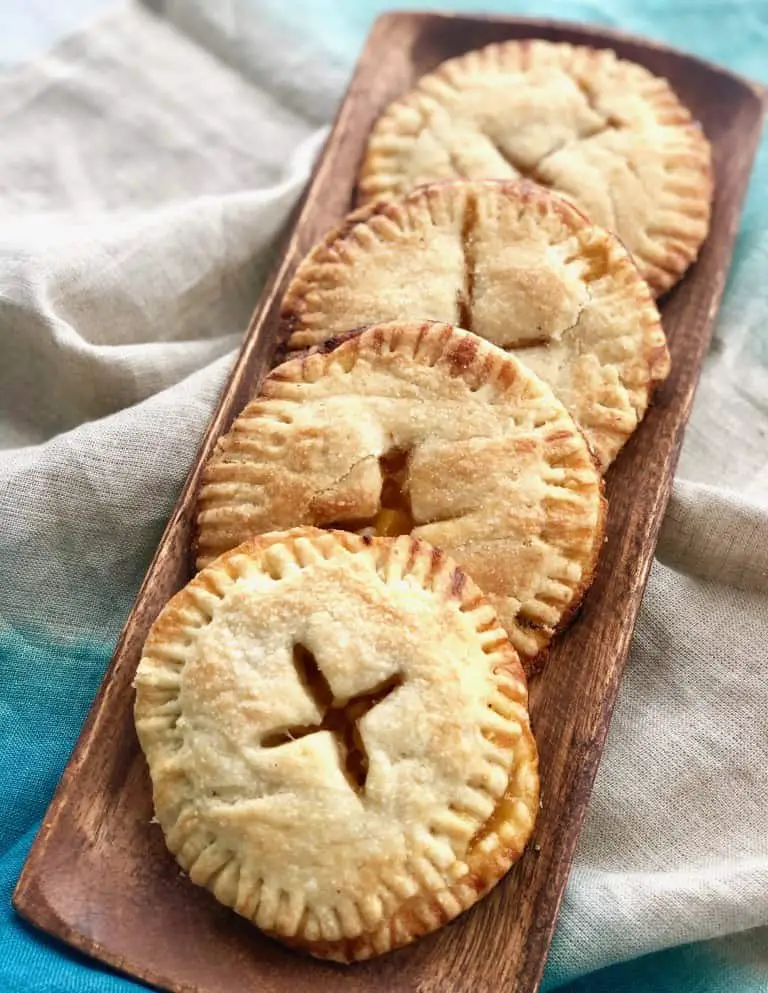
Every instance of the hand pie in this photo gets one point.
(604, 132)
(516, 265)
(337, 733)
(421, 429)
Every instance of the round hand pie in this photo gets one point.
(606, 133)
(516, 265)
(422, 429)
(337, 733)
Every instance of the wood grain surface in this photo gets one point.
(98, 875)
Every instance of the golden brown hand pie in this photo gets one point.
(516, 265)
(337, 733)
(605, 132)
(427, 429)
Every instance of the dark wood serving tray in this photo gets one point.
(98, 875)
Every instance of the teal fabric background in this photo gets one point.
(47, 681)
(733, 32)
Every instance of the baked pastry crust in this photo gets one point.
(513, 263)
(252, 753)
(605, 132)
(427, 429)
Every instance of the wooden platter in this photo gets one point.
(98, 875)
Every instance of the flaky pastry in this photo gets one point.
(605, 132)
(421, 429)
(337, 733)
(513, 263)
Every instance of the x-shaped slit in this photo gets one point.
(394, 516)
(341, 718)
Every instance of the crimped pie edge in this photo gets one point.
(690, 183)
(480, 364)
(386, 221)
(214, 866)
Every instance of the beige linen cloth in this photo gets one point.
(143, 179)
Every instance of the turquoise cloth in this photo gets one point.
(49, 673)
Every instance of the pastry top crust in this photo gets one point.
(605, 132)
(434, 428)
(513, 263)
(337, 733)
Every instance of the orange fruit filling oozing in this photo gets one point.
(394, 516)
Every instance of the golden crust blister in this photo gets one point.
(427, 429)
(280, 830)
(518, 266)
(603, 131)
